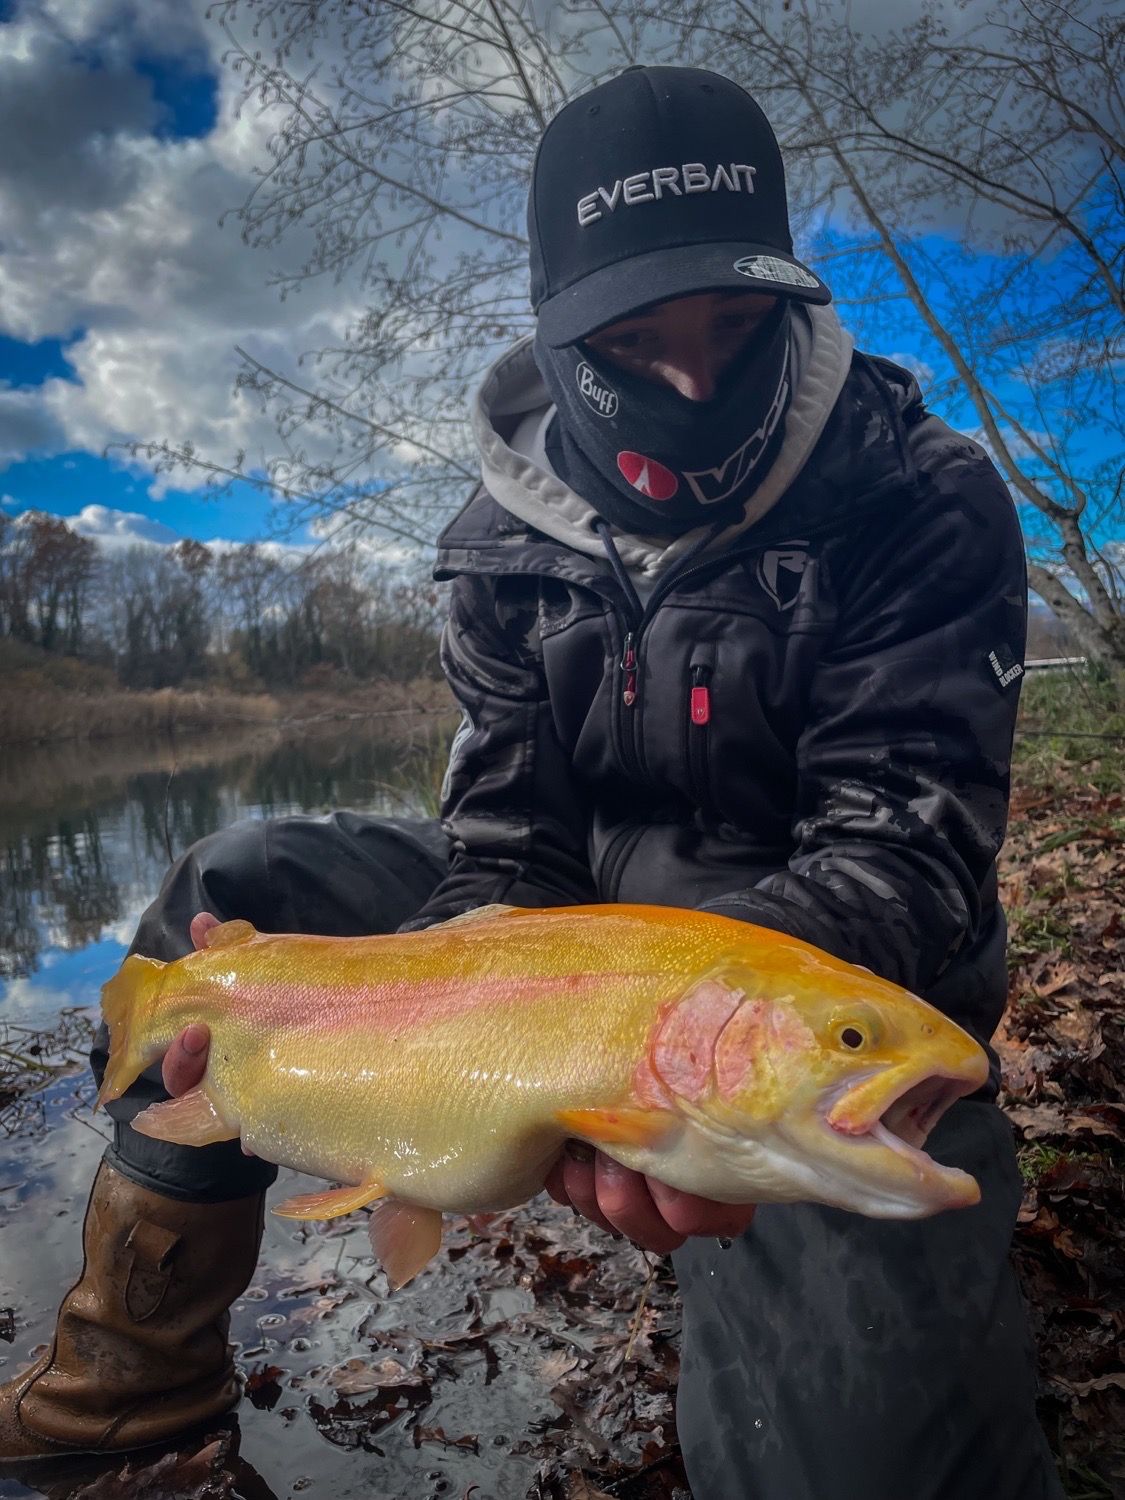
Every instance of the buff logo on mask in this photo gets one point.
(594, 391)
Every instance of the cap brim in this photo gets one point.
(615, 291)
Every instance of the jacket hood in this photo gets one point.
(871, 438)
(513, 392)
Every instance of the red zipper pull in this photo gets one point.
(629, 667)
(700, 695)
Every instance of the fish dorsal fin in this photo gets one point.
(404, 1237)
(478, 914)
(227, 934)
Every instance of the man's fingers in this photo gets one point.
(201, 925)
(185, 1062)
(555, 1185)
(654, 1216)
(624, 1199)
(687, 1214)
(581, 1191)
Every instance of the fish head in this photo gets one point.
(826, 1088)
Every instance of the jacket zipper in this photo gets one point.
(628, 717)
(699, 708)
(629, 669)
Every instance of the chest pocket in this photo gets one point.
(725, 673)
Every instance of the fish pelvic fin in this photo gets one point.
(128, 1001)
(190, 1120)
(332, 1203)
(622, 1126)
(405, 1238)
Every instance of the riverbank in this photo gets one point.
(54, 700)
(1062, 1047)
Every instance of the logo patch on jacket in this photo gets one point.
(780, 570)
(1005, 666)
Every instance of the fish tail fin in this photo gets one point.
(128, 1001)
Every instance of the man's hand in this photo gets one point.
(649, 1213)
(185, 1062)
(654, 1216)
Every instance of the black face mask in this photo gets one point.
(650, 460)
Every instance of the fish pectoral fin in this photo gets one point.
(332, 1203)
(624, 1126)
(404, 1237)
(190, 1120)
(227, 934)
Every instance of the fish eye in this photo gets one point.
(853, 1038)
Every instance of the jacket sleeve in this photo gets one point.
(903, 764)
(510, 802)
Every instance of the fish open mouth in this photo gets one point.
(907, 1121)
(862, 1112)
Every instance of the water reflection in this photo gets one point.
(87, 832)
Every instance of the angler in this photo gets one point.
(726, 644)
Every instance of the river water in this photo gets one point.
(458, 1380)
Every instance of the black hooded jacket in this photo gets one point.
(821, 731)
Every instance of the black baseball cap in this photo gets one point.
(660, 183)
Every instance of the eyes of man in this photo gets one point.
(648, 336)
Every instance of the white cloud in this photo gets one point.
(120, 528)
(922, 372)
(111, 230)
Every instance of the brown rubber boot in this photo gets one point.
(140, 1349)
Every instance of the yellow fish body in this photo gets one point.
(441, 1071)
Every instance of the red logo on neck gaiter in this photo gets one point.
(653, 480)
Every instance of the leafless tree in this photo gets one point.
(979, 177)
(960, 187)
(45, 574)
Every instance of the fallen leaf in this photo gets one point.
(437, 1435)
(356, 1376)
(263, 1388)
(1058, 980)
(1084, 1387)
(578, 1487)
(196, 1476)
(557, 1364)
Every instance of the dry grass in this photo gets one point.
(52, 700)
(36, 713)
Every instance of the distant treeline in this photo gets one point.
(245, 616)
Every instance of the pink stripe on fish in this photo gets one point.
(407, 1002)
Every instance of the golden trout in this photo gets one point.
(441, 1071)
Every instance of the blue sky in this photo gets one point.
(122, 297)
(63, 483)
